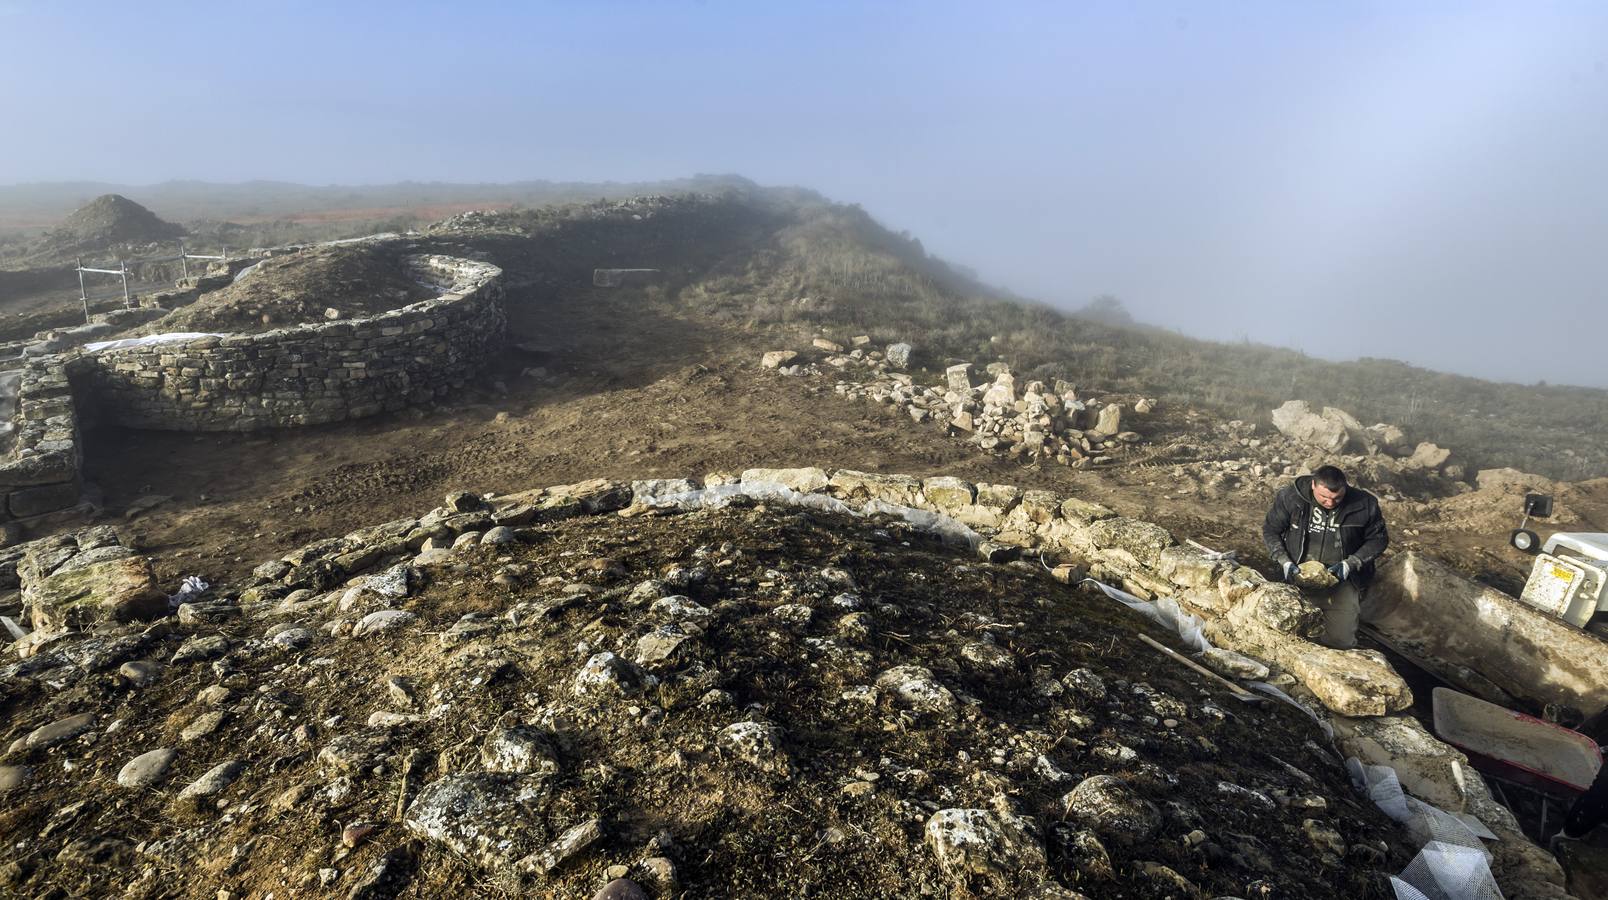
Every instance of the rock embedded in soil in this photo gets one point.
(915, 688)
(758, 744)
(59, 732)
(1111, 808)
(147, 768)
(214, 782)
(493, 819)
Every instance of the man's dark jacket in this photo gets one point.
(1362, 527)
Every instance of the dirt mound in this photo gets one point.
(747, 702)
(353, 280)
(108, 220)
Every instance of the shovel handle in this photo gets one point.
(1238, 692)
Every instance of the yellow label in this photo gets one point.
(1562, 574)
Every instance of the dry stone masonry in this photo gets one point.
(305, 375)
(309, 374)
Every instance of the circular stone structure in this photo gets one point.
(306, 374)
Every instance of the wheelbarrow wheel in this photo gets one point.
(1524, 539)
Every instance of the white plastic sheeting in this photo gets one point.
(1164, 612)
(721, 496)
(148, 340)
(1453, 864)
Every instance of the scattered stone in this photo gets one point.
(140, 672)
(59, 731)
(982, 843)
(202, 726)
(607, 675)
(214, 782)
(1109, 807)
(492, 819)
(382, 621)
(621, 889)
(916, 689)
(146, 769)
(13, 777)
(201, 647)
(573, 842)
(520, 750)
(757, 744)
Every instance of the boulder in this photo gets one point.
(1514, 481)
(1428, 456)
(1297, 421)
(1478, 638)
(852, 485)
(899, 355)
(777, 358)
(493, 819)
(1110, 422)
(118, 590)
(995, 846)
(1112, 809)
(1143, 540)
(806, 480)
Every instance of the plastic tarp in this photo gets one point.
(1164, 612)
(148, 340)
(721, 496)
(1453, 864)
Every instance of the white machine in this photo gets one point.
(1570, 580)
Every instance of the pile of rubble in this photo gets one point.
(778, 682)
(1032, 420)
(1336, 432)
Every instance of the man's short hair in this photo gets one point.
(1330, 477)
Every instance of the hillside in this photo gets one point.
(542, 690)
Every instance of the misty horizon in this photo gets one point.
(1414, 185)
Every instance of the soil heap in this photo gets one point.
(311, 285)
(747, 702)
(109, 220)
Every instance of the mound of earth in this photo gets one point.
(354, 281)
(746, 702)
(108, 220)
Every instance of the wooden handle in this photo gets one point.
(1238, 691)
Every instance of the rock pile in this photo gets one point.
(1335, 431)
(1033, 420)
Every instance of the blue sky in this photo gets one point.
(1418, 181)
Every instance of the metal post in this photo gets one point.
(123, 270)
(83, 295)
(184, 259)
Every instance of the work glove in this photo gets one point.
(1290, 569)
(1341, 570)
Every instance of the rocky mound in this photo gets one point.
(746, 702)
(312, 285)
(109, 220)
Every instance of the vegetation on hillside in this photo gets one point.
(833, 269)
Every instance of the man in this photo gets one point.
(1320, 517)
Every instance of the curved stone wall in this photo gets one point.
(309, 374)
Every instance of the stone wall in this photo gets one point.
(309, 374)
(41, 474)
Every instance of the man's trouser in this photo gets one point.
(1590, 809)
(1340, 605)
